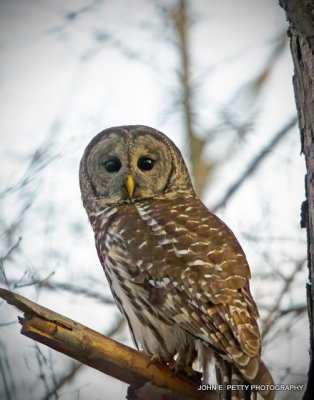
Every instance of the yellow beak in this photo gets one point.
(130, 185)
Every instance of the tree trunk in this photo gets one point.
(300, 15)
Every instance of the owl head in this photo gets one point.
(128, 163)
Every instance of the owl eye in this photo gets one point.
(145, 163)
(112, 165)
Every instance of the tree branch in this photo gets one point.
(275, 312)
(98, 351)
(254, 164)
(200, 169)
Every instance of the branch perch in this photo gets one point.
(96, 350)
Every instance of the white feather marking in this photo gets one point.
(234, 276)
(167, 241)
(97, 214)
(196, 263)
(103, 223)
(227, 318)
(142, 244)
(110, 212)
(182, 252)
(156, 228)
(139, 263)
(203, 330)
(179, 229)
(162, 283)
(215, 252)
(195, 316)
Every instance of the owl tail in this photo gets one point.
(262, 380)
(239, 388)
(228, 377)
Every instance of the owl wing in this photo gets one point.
(193, 264)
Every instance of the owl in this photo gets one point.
(176, 271)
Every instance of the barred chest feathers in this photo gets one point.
(129, 261)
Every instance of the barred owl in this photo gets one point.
(176, 271)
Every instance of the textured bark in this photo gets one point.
(102, 353)
(300, 15)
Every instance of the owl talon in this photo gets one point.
(173, 366)
(155, 359)
(189, 371)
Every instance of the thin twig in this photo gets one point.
(275, 311)
(254, 164)
(67, 287)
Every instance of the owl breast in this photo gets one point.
(129, 254)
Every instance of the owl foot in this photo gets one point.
(184, 370)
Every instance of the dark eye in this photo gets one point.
(145, 163)
(112, 165)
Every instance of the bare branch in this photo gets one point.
(6, 374)
(255, 163)
(272, 316)
(98, 351)
(5, 381)
(64, 286)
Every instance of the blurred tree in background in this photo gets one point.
(214, 76)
